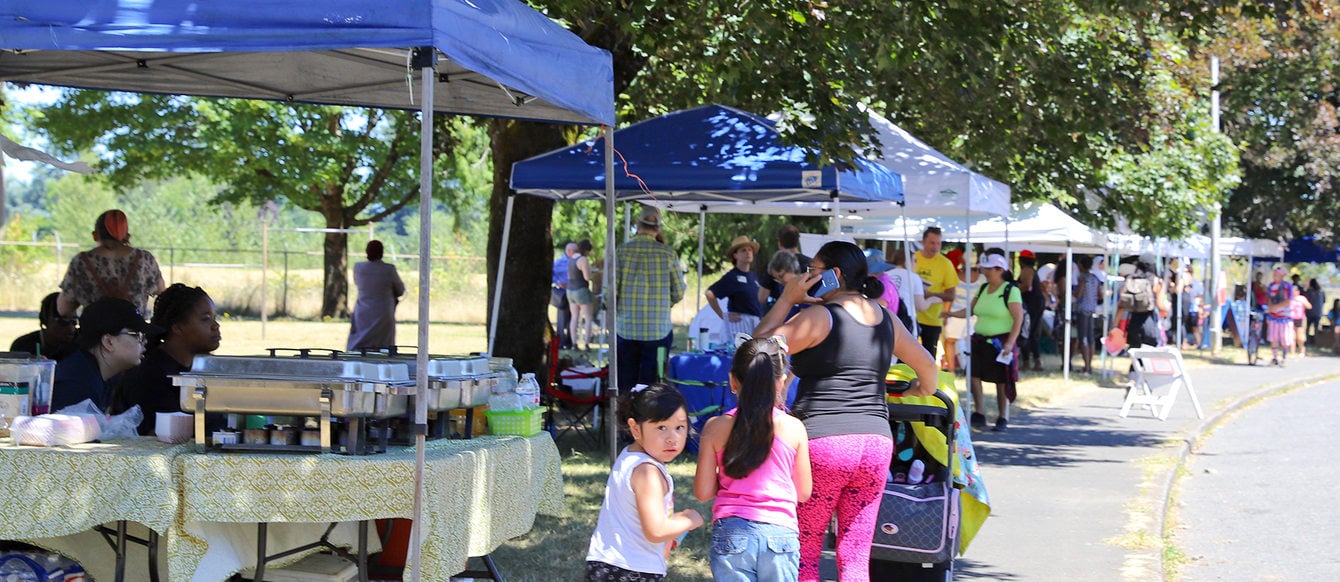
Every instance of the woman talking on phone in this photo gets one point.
(841, 351)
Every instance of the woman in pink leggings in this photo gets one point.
(841, 350)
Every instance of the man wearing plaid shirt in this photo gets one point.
(649, 283)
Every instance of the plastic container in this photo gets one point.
(529, 390)
(526, 422)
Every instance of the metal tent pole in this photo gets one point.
(702, 236)
(424, 58)
(906, 295)
(1069, 297)
(502, 269)
(612, 305)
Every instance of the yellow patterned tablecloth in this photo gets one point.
(57, 491)
(478, 494)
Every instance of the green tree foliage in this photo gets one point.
(1280, 102)
(351, 166)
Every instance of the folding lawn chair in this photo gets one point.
(578, 409)
(1157, 376)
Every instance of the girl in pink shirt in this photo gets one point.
(755, 461)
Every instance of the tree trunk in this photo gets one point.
(335, 294)
(523, 318)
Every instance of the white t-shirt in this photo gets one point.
(618, 539)
(901, 276)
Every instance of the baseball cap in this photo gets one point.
(874, 262)
(993, 262)
(110, 315)
(650, 216)
(1026, 254)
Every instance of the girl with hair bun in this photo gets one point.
(755, 461)
(638, 525)
(841, 352)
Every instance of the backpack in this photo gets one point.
(1137, 295)
(1004, 295)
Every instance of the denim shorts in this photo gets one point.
(754, 551)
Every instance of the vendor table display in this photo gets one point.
(48, 493)
(480, 493)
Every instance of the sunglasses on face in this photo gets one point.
(138, 335)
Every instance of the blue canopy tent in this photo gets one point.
(501, 58)
(709, 154)
(1306, 250)
(706, 154)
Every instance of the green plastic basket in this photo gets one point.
(526, 422)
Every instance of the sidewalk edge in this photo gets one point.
(1192, 439)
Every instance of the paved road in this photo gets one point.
(1062, 480)
(1259, 501)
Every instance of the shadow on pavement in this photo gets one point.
(1056, 441)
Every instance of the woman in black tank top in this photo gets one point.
(841, 349)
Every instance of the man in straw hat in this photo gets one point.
(739, 286)
(649, 283)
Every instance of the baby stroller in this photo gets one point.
(916, 534)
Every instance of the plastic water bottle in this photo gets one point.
(915, 473)
(528, 389)
(702, 340)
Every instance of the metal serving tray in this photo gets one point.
(453, 381)
(280, 367)
(294, 396)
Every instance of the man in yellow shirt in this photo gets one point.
(938, 273)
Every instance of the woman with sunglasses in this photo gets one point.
(841, 351)
(110, 341)
(191, 328)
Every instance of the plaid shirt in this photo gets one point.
(649, 283)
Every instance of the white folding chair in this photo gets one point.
(1157, 376)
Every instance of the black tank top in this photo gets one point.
(842, 378)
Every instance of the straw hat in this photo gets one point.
(740, 242)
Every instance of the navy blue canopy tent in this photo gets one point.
(500, 58)
(1306, 250)
(706, 154)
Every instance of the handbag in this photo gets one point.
(917, 523)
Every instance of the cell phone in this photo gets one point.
(827, 282)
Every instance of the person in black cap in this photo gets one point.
(190, 328)
(54, 338)
(110, 341)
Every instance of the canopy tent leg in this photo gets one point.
(424, 58)
(612, 302)
(1065, 337)
(906, 295)
(702, 235)
(502, 268)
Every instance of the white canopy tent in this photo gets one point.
(1038, 226)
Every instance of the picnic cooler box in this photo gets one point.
(916, 531)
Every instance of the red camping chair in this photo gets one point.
(578, 411)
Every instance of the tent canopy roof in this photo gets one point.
(706, 154)
(1038, 226)
(933, 184)
(503, 58)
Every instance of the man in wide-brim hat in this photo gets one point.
(739, 286)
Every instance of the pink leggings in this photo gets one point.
(849, 474)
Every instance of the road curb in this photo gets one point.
(1192, 440)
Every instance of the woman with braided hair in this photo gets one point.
(191, 329)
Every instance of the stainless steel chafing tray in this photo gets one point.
(453, 381)
(322, 388)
